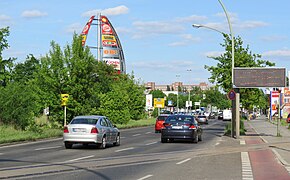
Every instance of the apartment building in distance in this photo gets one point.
(174, 86)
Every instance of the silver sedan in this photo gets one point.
(91, 129)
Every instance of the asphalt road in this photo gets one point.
(140, 156)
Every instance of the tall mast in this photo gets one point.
(99, 34)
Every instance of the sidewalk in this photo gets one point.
(264, 162)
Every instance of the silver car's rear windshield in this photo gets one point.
(84, 121)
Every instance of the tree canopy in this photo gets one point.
(93, 87)
(221, 73)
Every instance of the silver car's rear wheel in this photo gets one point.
(104, 143)
(68, 145)
(117, 143)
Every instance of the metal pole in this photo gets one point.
(234, 110)
(99, 36)
(64, 115)
(237, 114)
(177, 76)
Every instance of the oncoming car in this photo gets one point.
(181, 127)
(91, 129)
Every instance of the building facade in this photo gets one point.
(174, 86)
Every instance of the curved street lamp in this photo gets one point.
(208, 27)
(235, 103)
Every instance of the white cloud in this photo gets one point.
(251, 24)
(145, 29)
(108, 12)
(278, 53)
(274, 38)
(186, 39)
(33, 14)
(5, 21)
(5, 18)
(213, 53)
(171, 65)
(191, 19)
(76, 27)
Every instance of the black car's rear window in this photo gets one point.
(84, 121)
(161, 118)
(201, 116)
(185, 119)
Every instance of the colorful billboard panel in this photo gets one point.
(110, 52)
(274, 102)
(114, 62)
(86, 30)
(106, 29)
(109, 40)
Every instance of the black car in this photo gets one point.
(220, 116)
(211, 115)
(181, 127)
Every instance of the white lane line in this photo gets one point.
(80, 158)
(1, 153)
(47, 148)
(123, 137)
(247, 172)
(151, 143)
(136, 134)
(183, 161)
(242, 142)
(120, 150)
(148, 133)
(145, 177)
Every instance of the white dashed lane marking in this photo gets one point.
(151, 143)
(86, 157)
(136, 135)
(45, 148)
(126, 149)
(247, 172)
(145, 177)
(181, 162)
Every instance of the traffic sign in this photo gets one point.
(64, 99)
(232, 94)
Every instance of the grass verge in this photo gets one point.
(8, 134)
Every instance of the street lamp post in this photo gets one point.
(204, 26)
(177, 76)
(189, 106)
(236, 102)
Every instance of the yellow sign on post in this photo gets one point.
(64, 99)
(159, 102)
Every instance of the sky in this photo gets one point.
(159, 43)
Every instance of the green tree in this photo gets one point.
(6, 65)
(157, 94)
(19, 105)
(24, 72)
(221, 73)
(115, 104)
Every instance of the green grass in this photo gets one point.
(138, 123)
(8, 134)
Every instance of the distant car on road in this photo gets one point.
(202, 119)
(159, 122)
(91, 129)
(220, 116)
(227, 115)
(212, 115)
(181, 127)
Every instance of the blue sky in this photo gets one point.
(157, 37)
